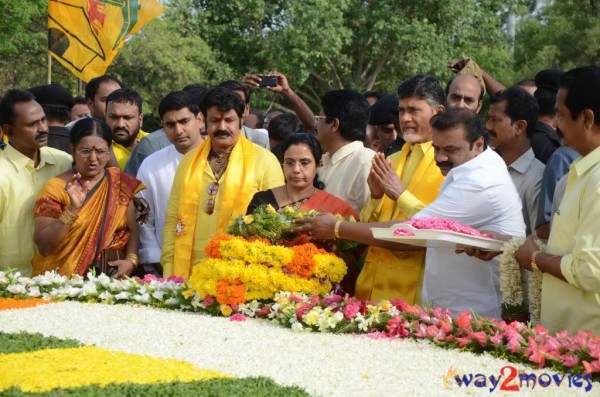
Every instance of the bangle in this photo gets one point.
(336, 229)
(134, 259)
(534, 266)
(67, 217)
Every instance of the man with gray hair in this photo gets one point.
(400, 187)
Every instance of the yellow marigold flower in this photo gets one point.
(44, 370)
(188, 293)
(288, 211)
(271, 209)
(226, 310)
(248, 219)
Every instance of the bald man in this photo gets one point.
(464, 91)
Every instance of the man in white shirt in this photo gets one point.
(182, 122)
(341, 130)
(477, 191)
(511, 122)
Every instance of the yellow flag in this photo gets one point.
(85, 35)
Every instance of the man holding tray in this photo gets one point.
(477, 191)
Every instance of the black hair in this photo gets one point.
(352, 111)
(177, 100)
(425, 87)
(466, 119)
(92, 87)
(260, 117)
(583, 91)
(520, 105)
(237, 86)
(8, 102)
(481, 92)
(283, 126)
(302, 138)
(224, 99)
(526, 83)
(197, 92)
(79, 100)
(89, 126)
(374, 94)
(125, 95)
(546, 100)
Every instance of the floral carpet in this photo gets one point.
(138, 340)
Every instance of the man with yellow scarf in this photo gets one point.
(400, 187)
(214, 183)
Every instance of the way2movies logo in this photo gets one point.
(512, 379)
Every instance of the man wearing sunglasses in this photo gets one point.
(214, 183)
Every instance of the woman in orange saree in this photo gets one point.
(303, 190)
(87, 209)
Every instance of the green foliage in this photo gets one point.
(256, 387)
(563, 34)
(158, 60)
(322, 45)
(26, 342)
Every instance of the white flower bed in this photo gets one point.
(322, 364)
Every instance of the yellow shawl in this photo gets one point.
(399, 274)
(236, 188)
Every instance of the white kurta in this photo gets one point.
(157, 173)
(479, 193)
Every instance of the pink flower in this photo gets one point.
(300, 311)
(150, 277)
(176, 279)
(480, 337)
(496, 339)
(462, 342)
(314, 299)
(329, 300)
(208, 300)
(570, 360)
(513, 345)
(296, 299)
(238, 317)
(464, 320)
(263, 312)
(351, 309)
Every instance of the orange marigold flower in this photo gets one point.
(10, 303)
(262, 240)
(230, 292)
(302, 263)
(212, 249)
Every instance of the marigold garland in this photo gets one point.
(238, 270)
(10, 303)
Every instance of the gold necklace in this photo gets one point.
(218, 163)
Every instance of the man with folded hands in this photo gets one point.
(477, 191)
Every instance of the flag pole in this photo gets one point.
(49, 68)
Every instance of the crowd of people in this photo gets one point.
(83, 187)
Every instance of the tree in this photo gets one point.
(158, 60)
(563, 34)
(322, 45)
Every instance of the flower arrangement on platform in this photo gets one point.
(237, 270)
(266, 222)
(521, 289)
(515, 341)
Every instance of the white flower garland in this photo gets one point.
(514, 280)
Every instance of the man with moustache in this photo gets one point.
(401, 186)
(124, 116)
(214, 183)
(570, 265)
(25, 166)
(477, 191)
(465, 91)
(182, 122)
